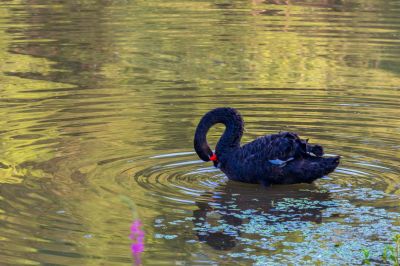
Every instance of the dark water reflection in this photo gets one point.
(98, 104)
(233, 203)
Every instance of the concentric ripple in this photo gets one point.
(170, 180)
(337, 216)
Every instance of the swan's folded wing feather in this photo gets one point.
(282, 146)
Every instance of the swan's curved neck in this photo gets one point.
(231, 137)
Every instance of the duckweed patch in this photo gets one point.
(307, 231)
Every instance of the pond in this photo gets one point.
(99, 101)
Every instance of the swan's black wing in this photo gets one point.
(279, 148)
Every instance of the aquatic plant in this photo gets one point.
(391, 253)
(366, 254)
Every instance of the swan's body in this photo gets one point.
(281, 158)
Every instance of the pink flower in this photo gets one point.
(137, 248)
(136, 230)
(137, 237)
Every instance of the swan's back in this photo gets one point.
(282, 146)
(281, 158)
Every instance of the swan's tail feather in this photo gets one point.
(311, 168)
(315, 149)
(331, 163)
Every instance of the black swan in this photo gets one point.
(281, 158)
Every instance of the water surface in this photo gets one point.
(98, 105)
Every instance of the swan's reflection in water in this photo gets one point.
(237, 209)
